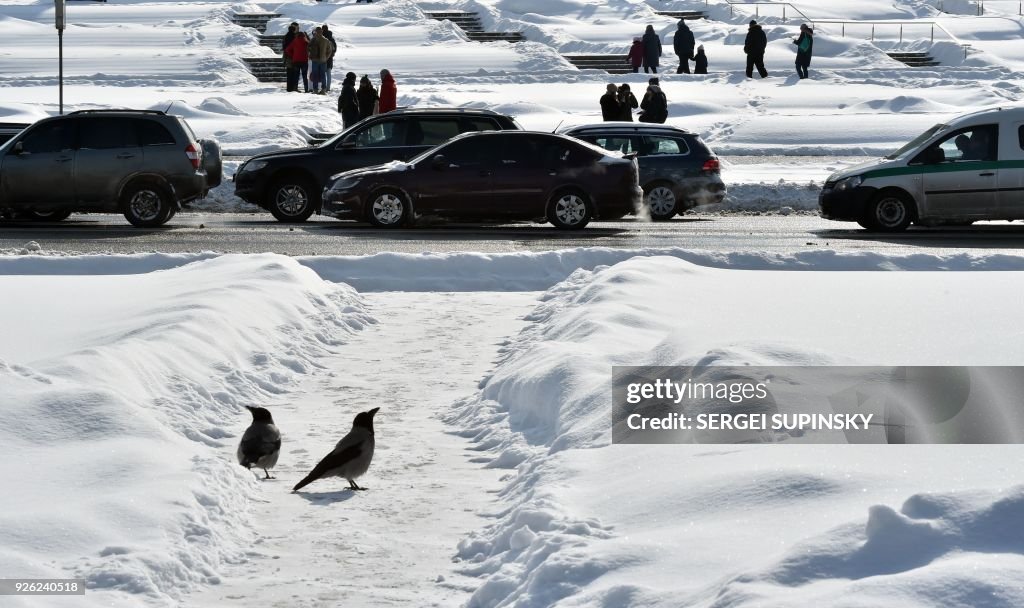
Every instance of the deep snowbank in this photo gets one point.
(588, 523)
(122, 399)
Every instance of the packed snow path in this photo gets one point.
(393, 544)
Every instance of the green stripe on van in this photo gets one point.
(946, 168)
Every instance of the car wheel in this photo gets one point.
(293, 199)
(46, 216)
(661, 202)
(569, 210)
(388, 208)
(890, 211)
(147, 204)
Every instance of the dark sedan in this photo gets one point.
(493, 176)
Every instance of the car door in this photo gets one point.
(523, 172)
(456, 181)
(960, 173)
(108, 154)
(663, 158)
(41, 175)
(1011, 172)
(377, 143)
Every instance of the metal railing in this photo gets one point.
(757, 8)
(981, 5)
(932, 25)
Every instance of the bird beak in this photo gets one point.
(374, 411)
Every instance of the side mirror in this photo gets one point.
(934, 156)
(348, 144)
(439, 162)
(18, 149)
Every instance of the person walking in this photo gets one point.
(368, 98)
(636, 54)
(298, 51)
(610, 103)
(627, 103)
(652, 50)
(319, 53)
(804, 49)
(654, 107)
(683, 44)
(329, 35)
(388, 92)
(285, 59)
(754, 46)
(700, 61)
(348, 101)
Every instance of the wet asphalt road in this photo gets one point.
(253, 233)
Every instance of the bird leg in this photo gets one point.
(353, 485)
(267, 474)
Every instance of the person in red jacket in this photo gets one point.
(298, 53)
(388, 92)
(636, 54)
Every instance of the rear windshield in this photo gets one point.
(188, 130)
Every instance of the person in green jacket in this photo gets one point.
(804, 48)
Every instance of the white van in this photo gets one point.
(969, 169)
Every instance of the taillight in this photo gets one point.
(195, 156)
(711, 165)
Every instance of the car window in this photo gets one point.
(979, 143)
(472, 152)
(50, 137)
(616, 143)
(659, 146)
(388, 133)
(555, 154)
(478, 124)
(106, 134)
(516, 150)
(431, 131)
(1020, 136)
(152, 133)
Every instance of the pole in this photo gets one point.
(58, 21)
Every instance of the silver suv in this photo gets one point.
(144, 164)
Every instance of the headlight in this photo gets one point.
(850, 183)
(252, 165)
(344, 183)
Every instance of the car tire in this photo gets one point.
(292, 199)
(388, 208)
(569, 210)
(46, 216)
(890, 211)
(661, 201)
(147, 204)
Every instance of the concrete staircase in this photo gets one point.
(267, 69)
(688, 15)
(257, 21)
(613, 64)
(470, 23)
(275, 42)
(914, 60)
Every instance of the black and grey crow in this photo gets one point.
(350, 458)
(261, 443)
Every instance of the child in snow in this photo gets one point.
(636, 54)
(700, 61)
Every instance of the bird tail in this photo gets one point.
(308, 479)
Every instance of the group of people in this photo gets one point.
(646, 51)
(355, 104)
(312, 58)
(618, 103)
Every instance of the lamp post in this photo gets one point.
(58, 15)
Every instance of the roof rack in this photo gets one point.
(109, 111)
(442, 109)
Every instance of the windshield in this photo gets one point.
(917, 141)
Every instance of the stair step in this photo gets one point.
(683, 14)
(496, 36)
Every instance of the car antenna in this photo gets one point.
(558, 125)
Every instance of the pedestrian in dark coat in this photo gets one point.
(388, 92)
(804, 49)
(754, 46)
(297, 51)
(610, 103)
(652, 50)
(329, 35)
(636, 54)
(683, 44)
(654, 106)
(292, 29)
(348, 102)
(627, 103)
(700, 61)
(368, 98)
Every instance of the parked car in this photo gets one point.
(956, 173)
(493, 176)
(141, 163)
(677, 169)
(289, 184)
